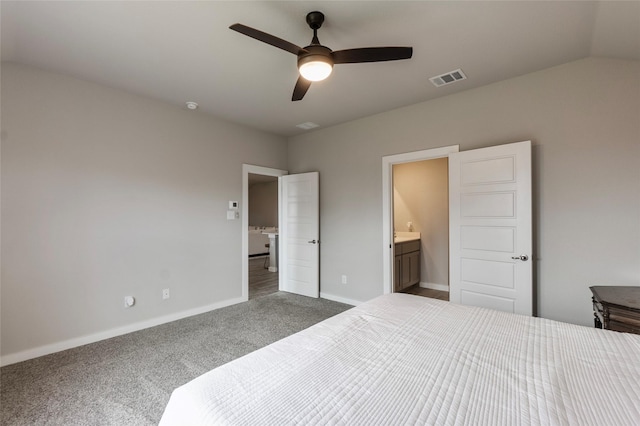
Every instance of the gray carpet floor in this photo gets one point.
(127, 380)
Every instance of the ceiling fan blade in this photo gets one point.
(371, 54)
(267, 38)
(302, 85)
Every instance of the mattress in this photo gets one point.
(402, 359)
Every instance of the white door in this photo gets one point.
(490, 228)
(299, 234)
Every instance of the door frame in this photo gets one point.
(387, 202)
(244, 209)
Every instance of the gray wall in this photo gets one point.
(107, 194)
(584, 121)
(263, 204)
(421, 195)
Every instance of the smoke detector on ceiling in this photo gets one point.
(448, 78)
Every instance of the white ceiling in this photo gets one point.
(179, 51)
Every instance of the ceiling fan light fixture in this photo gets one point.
(315, 67)
(315, 61)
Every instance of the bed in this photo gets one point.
(402, 359)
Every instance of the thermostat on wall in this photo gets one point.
(233, 205)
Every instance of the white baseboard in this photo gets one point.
(434, 286)
(92, 338)
(340, 299)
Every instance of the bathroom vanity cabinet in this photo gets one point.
(407, 264)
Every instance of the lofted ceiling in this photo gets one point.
(178, 51)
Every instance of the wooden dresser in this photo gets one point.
(616, 308)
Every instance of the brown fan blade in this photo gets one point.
(267, 38)
(302, 85)
(371, 54)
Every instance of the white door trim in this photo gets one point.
(387, 203)
(246, 170)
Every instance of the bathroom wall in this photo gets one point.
(263, 204)
(420, 196)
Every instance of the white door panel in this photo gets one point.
(496, 170)
(486, 205)
(490, 227)
(488, 238)
(299, 234)
(488, 272)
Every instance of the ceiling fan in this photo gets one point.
(315, 62)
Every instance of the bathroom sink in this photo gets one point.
(404, 239)
(401, 237)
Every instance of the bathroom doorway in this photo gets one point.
(421, 228)
(490, 225)
(260, 216)
(263, 226)
(415, 190)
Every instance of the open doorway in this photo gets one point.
(421, 228)
(262, 235)
(408, 264)
(260, 223)
(490, 222)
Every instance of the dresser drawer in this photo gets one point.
(617, 308)
(624, 316)
(624, 327)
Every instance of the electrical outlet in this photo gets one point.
(344, 279)
(165, 293)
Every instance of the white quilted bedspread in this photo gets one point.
(402, 359)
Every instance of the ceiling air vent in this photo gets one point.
(308, 125)
(448, 78)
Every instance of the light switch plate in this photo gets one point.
(231, 215)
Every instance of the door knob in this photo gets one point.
(312, 241)
(524, 257)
